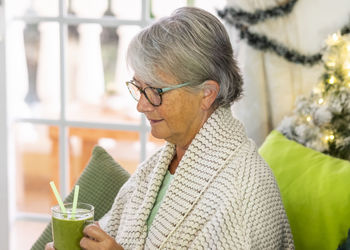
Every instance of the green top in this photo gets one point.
(161, 193)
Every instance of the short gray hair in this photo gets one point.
(191, 45)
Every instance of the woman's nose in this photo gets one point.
(143, 105)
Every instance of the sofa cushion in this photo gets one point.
(99, 184)
(315, 190)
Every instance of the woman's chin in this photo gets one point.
(157, 134)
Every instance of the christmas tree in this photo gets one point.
(321, 121)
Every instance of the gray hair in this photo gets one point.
(191, 45)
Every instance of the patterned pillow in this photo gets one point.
(99, 184)
(315, 190)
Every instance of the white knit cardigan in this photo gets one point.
(223, 196)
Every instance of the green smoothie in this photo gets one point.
(67, 229)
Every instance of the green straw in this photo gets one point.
(58, 197)
(75, 200)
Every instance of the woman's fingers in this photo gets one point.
(90, 244)
(94, 231)
(96, 238)
(106, 244)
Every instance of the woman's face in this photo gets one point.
(178, 118)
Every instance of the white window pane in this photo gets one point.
(123, 146)
(130, 9)
(97, 72)
(27, 231)
(120, 9)
(32, 7)
(33, 69)
(161, 8)
(36, 166)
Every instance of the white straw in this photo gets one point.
(75, 200)
(58, 197)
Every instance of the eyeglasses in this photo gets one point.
(153, 95)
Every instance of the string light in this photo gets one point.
(320, 101)
(329, 138)
(318, 89)
(333, 39)
(347, 66)
(331, 80)
(309, 118)
(331, 64)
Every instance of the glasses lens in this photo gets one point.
(134, 91)
(153, 96)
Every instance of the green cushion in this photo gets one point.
(99, 184)
(315, 190)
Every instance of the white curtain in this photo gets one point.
(271, 84)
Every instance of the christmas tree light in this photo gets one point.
(321, 121)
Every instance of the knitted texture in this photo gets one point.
(99, 184)
(222, 196)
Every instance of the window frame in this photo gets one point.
(7, 160)
(63, 123)
(5, 219)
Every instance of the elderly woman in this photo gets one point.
(207, 188)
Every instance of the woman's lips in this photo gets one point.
(154, 121)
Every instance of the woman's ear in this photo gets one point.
(210, 92)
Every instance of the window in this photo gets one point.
(65, 73)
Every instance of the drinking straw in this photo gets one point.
(75, 200)
(58, 197)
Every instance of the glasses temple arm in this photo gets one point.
(173, 87)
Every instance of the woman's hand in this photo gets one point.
(96, 238)
(49, 246)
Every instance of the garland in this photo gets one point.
(262, 42)
(345, 30)
(259, 15)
